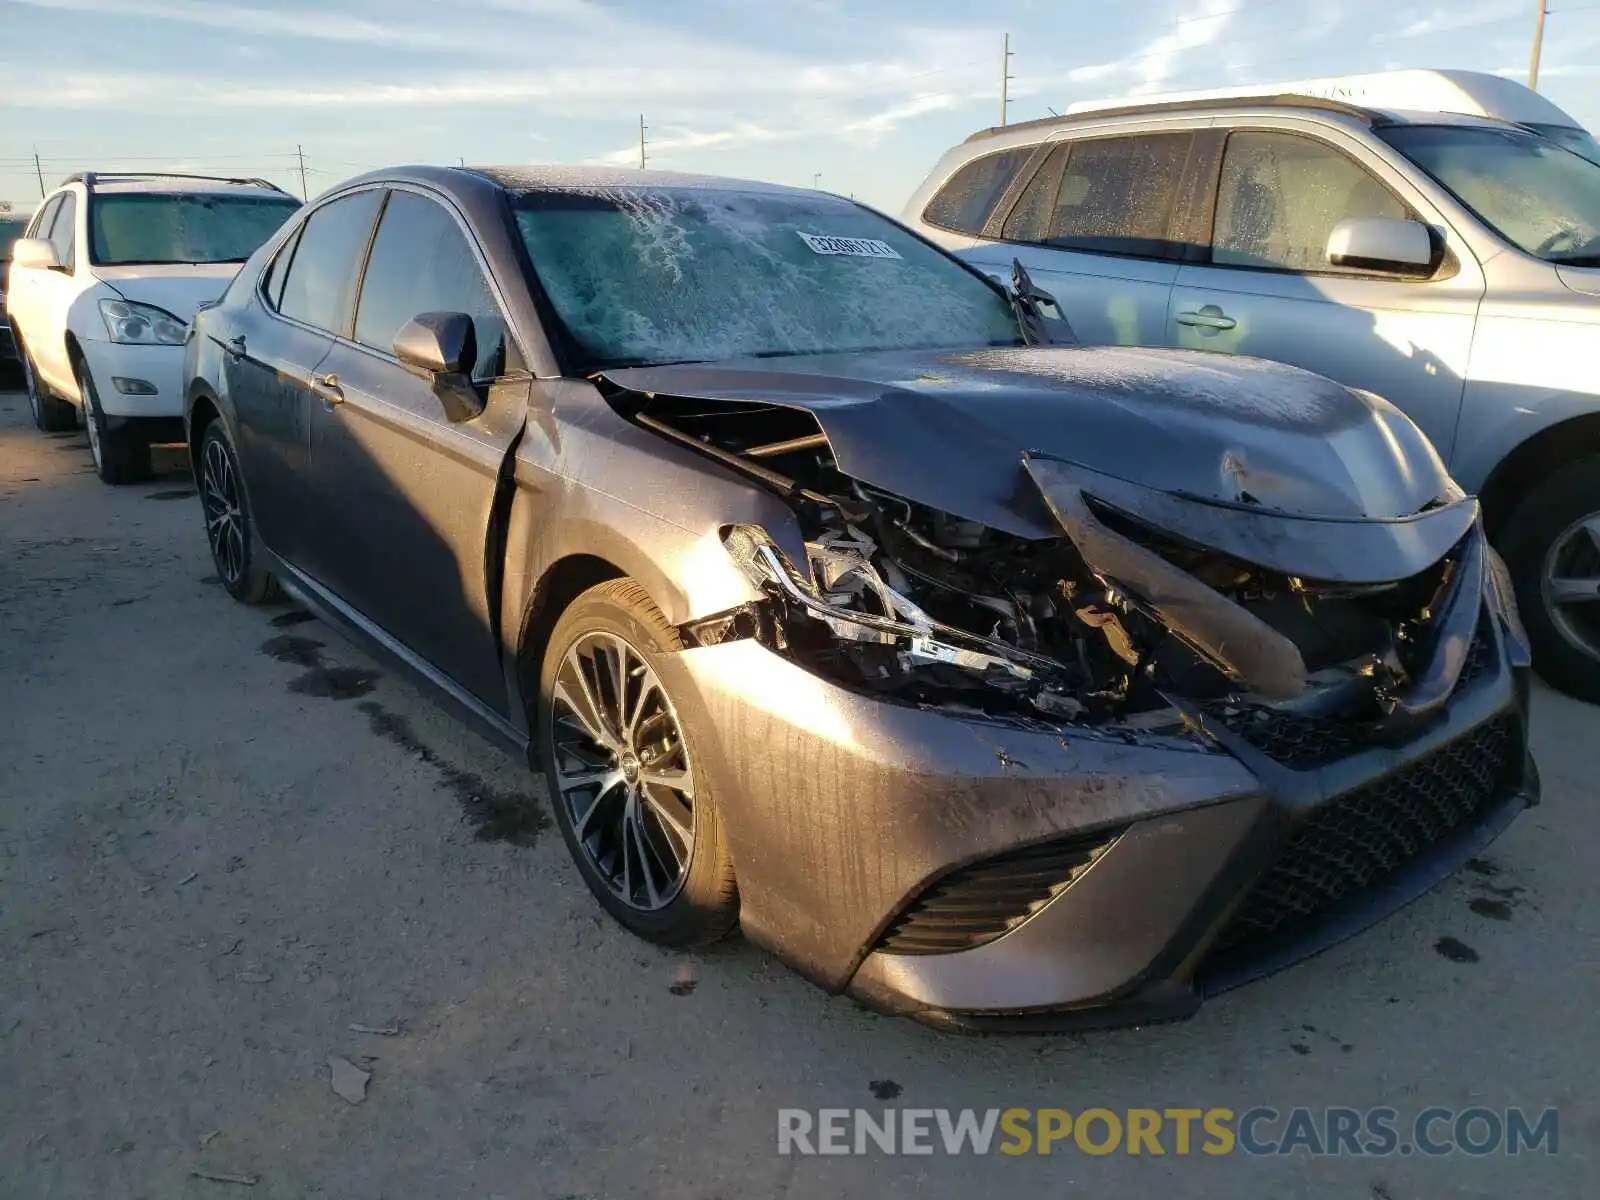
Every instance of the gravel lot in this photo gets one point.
(226, 838)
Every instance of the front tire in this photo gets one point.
(50, 415)
(1551, 543)
(230, 530)
(121, 453)
(633, 803)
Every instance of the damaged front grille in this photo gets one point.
(1305, 741)
(1293, 739)
(980, 903)
(1368, 835)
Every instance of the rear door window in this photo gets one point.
(40, 226)
(964, 203)
(278, 271)
(422, 262)
(64, 227)
(320, 284)
(1280, 197)
(1105, 196)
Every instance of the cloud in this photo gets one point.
(1445, 20)
(1159, 58)
(885, 121)
(811, 124)
(679, 138)
(298, 23)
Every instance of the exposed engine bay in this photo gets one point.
(925, 607)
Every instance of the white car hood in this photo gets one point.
(179, 288)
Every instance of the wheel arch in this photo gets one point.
(201, 409)
(1538, 456)
(562, 582)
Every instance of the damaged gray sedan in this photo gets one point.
(995, 681)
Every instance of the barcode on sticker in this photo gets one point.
(858, 247)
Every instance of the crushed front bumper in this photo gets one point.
(982, 874)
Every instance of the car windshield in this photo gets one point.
(640, 276)
(1570, 137)
(1536, 195)
(182, 227)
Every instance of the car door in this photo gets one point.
(403, 495)
(1268, 289)
(272, 352)
(23, 282)
(48, 295)
(1093, 228)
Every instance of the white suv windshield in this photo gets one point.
(639, 276)
(182, 227)
(1536, 195)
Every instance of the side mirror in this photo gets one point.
(1386, 244)
(441, 348)
(35, 252)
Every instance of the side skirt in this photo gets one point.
(449, 694)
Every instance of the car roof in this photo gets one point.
(560, 178)
(161, 184)
(1384, 98)
(1470, 93)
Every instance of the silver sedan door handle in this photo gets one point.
(1209, 317)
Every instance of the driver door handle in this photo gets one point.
(1209, 317)
(327, 386)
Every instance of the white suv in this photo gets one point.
(1433, 237)
(101, 291)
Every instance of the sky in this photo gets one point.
(856, 96)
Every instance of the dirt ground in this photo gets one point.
(227, 840)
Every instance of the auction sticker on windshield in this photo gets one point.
(858, 247)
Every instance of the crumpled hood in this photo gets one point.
(178, 288)
(949, 429)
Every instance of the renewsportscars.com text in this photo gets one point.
(1317, 1132)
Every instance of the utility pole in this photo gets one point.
(641, 141)
(300, 153)
(1538, 46)
(816, 180)
(1006, 77)
(38, 171)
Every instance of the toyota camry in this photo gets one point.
(839, 596)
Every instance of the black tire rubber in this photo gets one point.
(254, 583)
(50, 414)
(707, 906)
(124, 450)
(1524, 540)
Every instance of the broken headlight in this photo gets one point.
(847, 614)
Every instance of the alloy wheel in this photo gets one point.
(219, 497)
(623, 770)
(1571, 583)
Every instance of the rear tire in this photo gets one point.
(1551, 543)
(658, 884)
(50, 415)
(230, 530)
(121, 453)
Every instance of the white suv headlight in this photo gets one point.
(131, 324)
